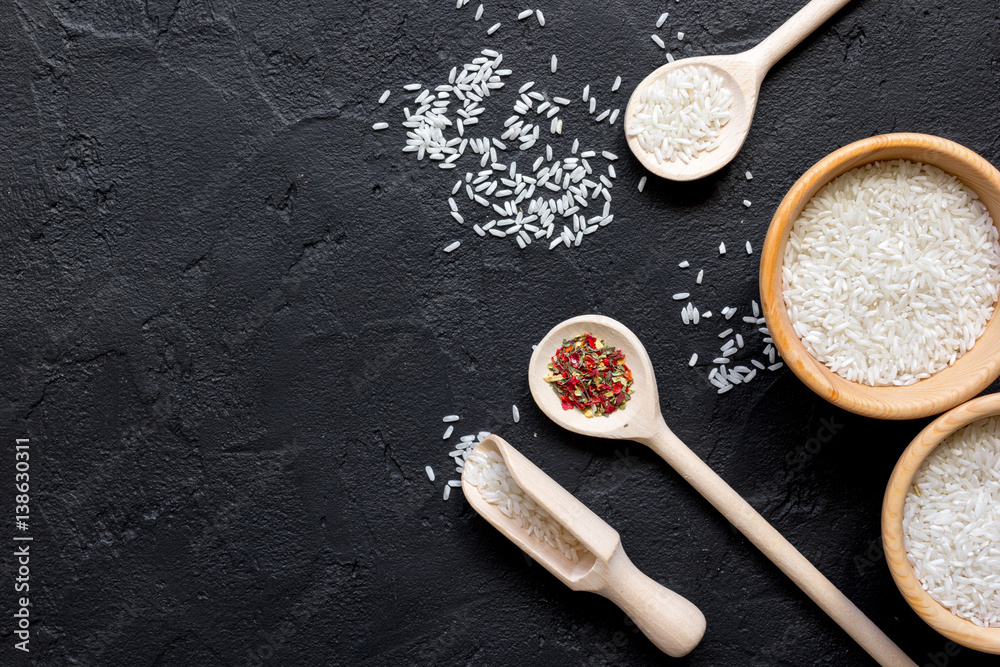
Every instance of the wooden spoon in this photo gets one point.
(641, 421)
(742, 74)
(670, 621)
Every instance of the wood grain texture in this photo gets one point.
(643, 422)
(670, 621)
(742, 74)
(970, 374)
(938, 617)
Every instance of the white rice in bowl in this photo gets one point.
(951, 523)
(891, 272)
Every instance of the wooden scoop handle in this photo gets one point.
(793, 31)
(779, 550)
(670, 621)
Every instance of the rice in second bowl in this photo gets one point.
(891, 272)
(951, 523)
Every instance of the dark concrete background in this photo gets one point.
(230, 333)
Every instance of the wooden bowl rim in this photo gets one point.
(968, 376)
(930, 610)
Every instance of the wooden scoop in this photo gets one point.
(742, 75)
(671, 622)
(641, 421)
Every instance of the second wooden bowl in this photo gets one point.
(971, 373)
(934, 614)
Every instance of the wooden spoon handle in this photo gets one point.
(777, 548)
(793, 31)
(670, 621)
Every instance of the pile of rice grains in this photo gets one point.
(489, 474)
(459, 455)
(681, 116)
(891, 272)
(951, 523)
(559, 198)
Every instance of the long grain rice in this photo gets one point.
(891, 272)
(951, 523)
(490, 475)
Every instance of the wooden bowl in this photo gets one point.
(971, 373)
(934, 614)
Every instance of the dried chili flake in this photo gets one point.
(590, 376)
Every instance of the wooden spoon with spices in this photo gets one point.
(741, 74)
(642, 422)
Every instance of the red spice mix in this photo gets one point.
(590, 376)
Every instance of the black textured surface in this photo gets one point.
(230, 333)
